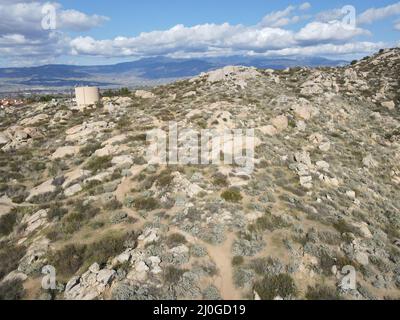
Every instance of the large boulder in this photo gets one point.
(65, 151)
(280, 122)
(144, 94)
(35, 120)
(42, 189)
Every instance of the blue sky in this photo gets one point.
(129, 17)
(102, 31)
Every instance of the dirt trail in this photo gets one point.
(222, 257)
(126, 184)
(123, 188)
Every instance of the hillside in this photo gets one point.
(78, 193)
(149, 71)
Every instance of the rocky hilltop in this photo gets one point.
(77, 193)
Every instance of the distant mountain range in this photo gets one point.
(142, 72)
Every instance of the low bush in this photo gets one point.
(96, 164)
(81, 214)
(175, 239)
(7, 222)
(165, 178)
(172, 274)
(71, 258)
(102, 250)
(113, 205)
(56, 211)
(322, 292)
(12, 290)
(9, 258)
(89, 149)
(267, 222)
(281, 285)
(231, 195)
(220, 180)
(237, 260)
(146, 203)
(67, 260)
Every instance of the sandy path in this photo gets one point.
(127, 184)
(222, 257)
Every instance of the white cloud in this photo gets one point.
(212, 39)
(278, 18)
(354, 48)
(397, 25)
(374, 14)
(329, 15)
(78, 21)
(200, 38)
(22, 35)
(26, 18)
(281, 18)
(305, 6)
(328, 32)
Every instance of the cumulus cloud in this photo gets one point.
(305, 6)
(79, 21)
(329, 15)
(279, 18)
(200, 38)
(22, 34)
(214, 38)
(374, 14)
(26, 17)
(329, 49)
(328, 32)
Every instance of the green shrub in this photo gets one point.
(165, 178)
(146, 203)
(96, 164)
(100, 251)
(175, 239)
(267, 222)
(75, 220)
(67, 260)
(220, 180)
(89, 149)
(113, 205)
(12, 290)
(56, 211)
(272, 286)
(231, 195)
(9, 258)
(71, 258)
(343, 227)
(172, 274)
(322, 292)
(123, 123)
(72, 222)
(7, 222)
(237, 260)
(259, 265)
(326, 263)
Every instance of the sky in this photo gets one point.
(105, 32)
